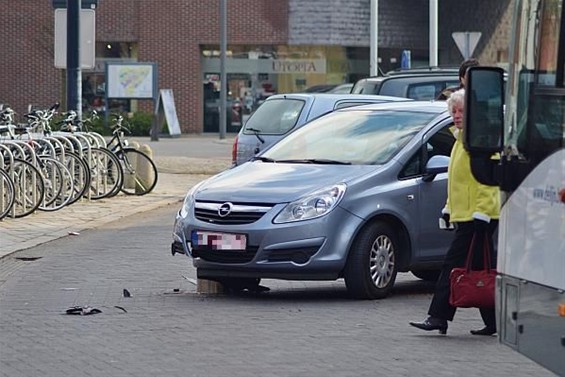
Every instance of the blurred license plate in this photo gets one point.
(218, 241)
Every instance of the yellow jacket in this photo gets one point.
(467, 199)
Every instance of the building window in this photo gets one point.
(94, 80)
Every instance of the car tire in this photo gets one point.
(371, 266)
(427, 275)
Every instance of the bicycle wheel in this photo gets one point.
(63, 177)
(7, 194)
(80, 174)
(53, 179)
(140, 172)
(106, 174)
(29, 187)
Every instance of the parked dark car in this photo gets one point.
(355, 194)
(417, 84)
(280, 114)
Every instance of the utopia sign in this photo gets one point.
(298, 66)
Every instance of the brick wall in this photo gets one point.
(403, 24)
(170, 33)
(400, 23)
(491, 18)
(173, 32)
(27, 72)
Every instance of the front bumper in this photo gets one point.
(306, 250)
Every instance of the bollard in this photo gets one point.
(144, 169)
(133, 144)
(209, 287)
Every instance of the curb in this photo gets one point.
(41, 227)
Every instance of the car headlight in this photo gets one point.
(189, 200)
(316, 204)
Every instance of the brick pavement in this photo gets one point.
(181, 162)
(296, 329)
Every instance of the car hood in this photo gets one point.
(276, 182)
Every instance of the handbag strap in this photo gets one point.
(486, 253)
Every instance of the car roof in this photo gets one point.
(335, 97)
(424, 71)
(421, 77)
(426, 106)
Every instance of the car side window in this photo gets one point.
(439, 143)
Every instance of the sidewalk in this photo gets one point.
(180, 164)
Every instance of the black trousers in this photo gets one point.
(456, 257)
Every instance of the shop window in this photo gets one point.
(94, 81)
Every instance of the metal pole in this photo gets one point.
(433, 33)
(223, 76)
(374, 39)
(467, 49)
(74, 79)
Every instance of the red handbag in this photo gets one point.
(473, 288)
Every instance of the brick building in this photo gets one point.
(273, 46)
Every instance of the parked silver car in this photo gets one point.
(282, 113)
(355, 194)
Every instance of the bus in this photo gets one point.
(523, 127)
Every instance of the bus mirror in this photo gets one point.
(484, 110)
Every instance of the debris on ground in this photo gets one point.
(83, 310)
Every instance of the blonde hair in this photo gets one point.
(457, 97)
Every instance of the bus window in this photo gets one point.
(546, 127)
(548, 45)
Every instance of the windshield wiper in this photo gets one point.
(256, 132)
(263, 159)
(315, 161)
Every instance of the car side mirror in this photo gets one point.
(484, 111)
(483, 129)
(436, 165)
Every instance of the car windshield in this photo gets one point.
(274, 117)
(362, 137)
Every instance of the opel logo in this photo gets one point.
(225, 209)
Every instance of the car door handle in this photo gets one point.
(410, 197)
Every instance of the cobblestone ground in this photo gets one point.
(166, 329)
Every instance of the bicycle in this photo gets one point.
(106, 174)
(140, 172)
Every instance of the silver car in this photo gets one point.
(355, 194)
(280, 114)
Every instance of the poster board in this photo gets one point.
(166, 111)
(131, 80)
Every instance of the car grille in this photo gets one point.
(227, 213)
(226, 256)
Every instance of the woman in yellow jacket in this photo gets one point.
(473, 208)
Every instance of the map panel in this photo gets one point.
(130, 80)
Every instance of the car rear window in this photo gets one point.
(365, 87)
(275, 117)
(428, 90)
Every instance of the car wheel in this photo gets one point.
(371, 267)
(427, 275)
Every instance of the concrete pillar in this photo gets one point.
(209, 287)
(144, 170)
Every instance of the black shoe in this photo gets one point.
(488, 331)
(432, 323)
